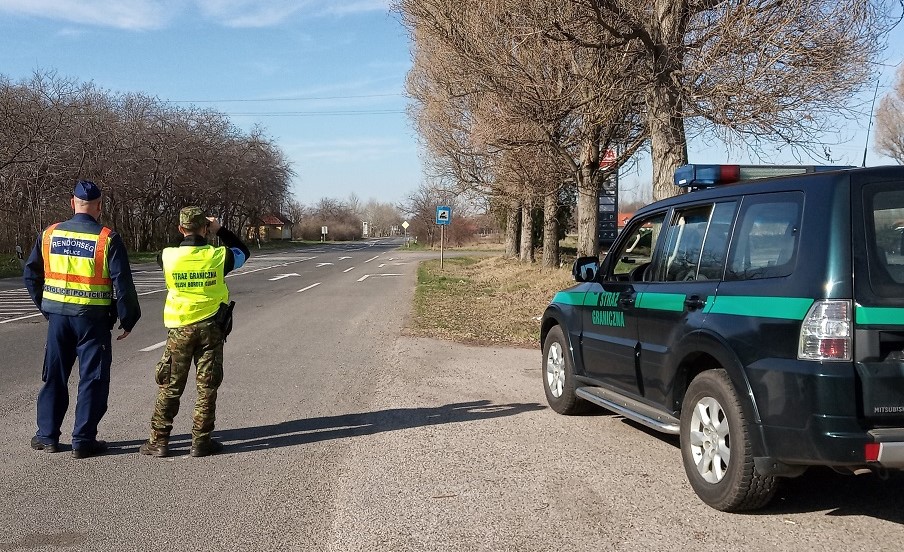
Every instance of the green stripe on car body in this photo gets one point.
(879, 316)
(570, 297)
(661, 301)
(791, 308)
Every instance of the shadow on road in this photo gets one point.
(310, 430)
(841, 495)
(821, 488)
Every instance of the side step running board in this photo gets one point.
(630, 408)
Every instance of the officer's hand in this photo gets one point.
(213, 226)
(124, 335)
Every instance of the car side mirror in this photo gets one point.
(585, 269)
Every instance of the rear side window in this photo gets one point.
(766, 237)
(884, 206)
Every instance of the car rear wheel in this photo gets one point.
(715, 447)
(558, 375)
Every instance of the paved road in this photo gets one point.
(343, 434)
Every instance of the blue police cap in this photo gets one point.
(86, 190)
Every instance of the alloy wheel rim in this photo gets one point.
(710, 441)
(555, 370)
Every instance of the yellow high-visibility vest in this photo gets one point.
(195, 280)
(75, 267)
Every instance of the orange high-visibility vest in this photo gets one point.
(75, 267)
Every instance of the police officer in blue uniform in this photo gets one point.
(78, 275)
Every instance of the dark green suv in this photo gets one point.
(759, 317)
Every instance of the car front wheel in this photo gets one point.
(558, 375)
(715, 447)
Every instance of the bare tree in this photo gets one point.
(514, 88)
(382, 217)
(754, 70)
(150, 158)
(890, 121)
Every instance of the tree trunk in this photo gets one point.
(589, 196)
(527, 232)
(511, 228)
(551, 230)
(668, 142)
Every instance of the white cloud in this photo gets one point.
(266, 13)
(122, 14)
(249, 13)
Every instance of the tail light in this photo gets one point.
(826, 331)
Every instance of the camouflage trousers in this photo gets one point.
(202, 343)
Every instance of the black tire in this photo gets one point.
(558, 375)
(732, 484)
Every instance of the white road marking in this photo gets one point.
(309, 287)
(366, 276)
(347, 269)
(20, 318)
(372, 258)
(323, 264)
(281, 276)
(154, 346)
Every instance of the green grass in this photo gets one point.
(9, 266)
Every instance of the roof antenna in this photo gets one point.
(870, 125)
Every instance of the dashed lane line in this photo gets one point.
(309, 287)
(154, 346)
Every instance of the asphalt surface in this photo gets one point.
(343, 434)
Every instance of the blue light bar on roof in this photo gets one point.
(706, 176)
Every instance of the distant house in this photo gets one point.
(273, 226)
(623, 219)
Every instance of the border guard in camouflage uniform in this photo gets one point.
(197, 315)
(72, 273)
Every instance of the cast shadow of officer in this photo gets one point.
(310, 430)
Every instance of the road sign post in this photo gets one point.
(443, 219)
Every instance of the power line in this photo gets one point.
(316, 113)
(288, 99)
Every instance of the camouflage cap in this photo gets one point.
(192, 218)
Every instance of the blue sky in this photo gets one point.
(325, 78)
(334, 70)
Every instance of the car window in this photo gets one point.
(684, 245)
(635, 252)
(885, 238)
(766, 238)
(715, 247)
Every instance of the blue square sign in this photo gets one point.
(443, 214)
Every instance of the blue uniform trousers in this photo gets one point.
(89, 340)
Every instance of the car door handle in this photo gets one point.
(693, 302)
(626, 301)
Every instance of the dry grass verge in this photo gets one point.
(484, 300)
